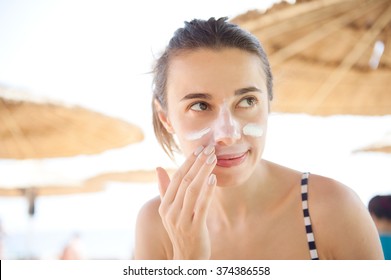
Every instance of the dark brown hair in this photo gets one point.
(210, 34)
(380, 206)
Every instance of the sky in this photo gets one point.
(92, 52)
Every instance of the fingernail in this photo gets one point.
(209, 149)
(198, 150)
(212, 179)
(211, 159)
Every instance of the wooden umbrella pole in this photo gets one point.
(299, 45)
(338, 74)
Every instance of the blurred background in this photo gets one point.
(77, 149)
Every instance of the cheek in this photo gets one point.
(255, 126)
(254, 123)
(255, 134)
(253, 130)
(205, 133)
(198, 134)
(191, 134)
(196, 137)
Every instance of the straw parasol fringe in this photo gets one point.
(381, 146)
(9, 123)
(93, 184)
(287, 14)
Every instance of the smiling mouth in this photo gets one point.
(231, 160)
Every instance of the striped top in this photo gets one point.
(307, 219)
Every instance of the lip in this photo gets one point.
(231, 160)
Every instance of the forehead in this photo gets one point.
(209, 70)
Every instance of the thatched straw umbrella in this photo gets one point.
(94, 184)
(31, 129)
(377, 148)
(328, 56)
(381, 146)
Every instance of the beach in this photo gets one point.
(104, 66)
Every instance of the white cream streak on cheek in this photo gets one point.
(197, 134)
(253, 129)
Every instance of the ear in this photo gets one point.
(163, 117)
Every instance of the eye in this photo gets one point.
(247, 102)
(199, 106)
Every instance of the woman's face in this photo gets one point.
(219, 97)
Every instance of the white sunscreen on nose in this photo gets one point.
(253, 129)
(197, 134)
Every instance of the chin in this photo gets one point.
(225, 181)
(236, 174)
(233, 176)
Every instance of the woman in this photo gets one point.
(212, 88)
(379, 207)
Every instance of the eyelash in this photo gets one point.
(253, 99)
(199, 102)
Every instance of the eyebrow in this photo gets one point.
(197, 96)
(245, 90)
(208, 96)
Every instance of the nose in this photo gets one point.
(227, 129)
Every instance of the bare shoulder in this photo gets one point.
(342, 225)
(327, 192)
(150, 233)
(150, 210)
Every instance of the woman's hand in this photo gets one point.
(185, 202)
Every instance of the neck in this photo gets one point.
(235, 204)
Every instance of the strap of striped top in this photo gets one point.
(307, 219)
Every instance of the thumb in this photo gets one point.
(163, 180)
